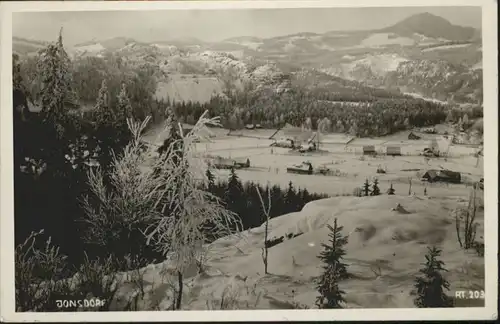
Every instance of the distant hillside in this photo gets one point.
(450, 57)
(433, 26)
(109, 44)
(22, 46)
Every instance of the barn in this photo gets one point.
(203, 133)
(369, 150)
(429, 130)
(394, 150)
(442, 176)
(297, 134)
(224, 163)
(242, 162)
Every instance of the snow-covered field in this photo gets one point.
(352, 168)
(419, 96)
(383, 39)
(445, 47)
(194, 88)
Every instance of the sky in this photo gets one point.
(216, 25)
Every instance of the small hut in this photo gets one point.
(242, 162)
(412, 136)
(224, 163)
(429, 130)
(369, 150)
(394, 150)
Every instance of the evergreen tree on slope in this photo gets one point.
(431, 286)
(334, 270)
(375, 189)
(366, 188)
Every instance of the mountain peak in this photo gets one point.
(431, 25)
(425, 18)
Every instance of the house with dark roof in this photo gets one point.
(369, 150)
(442, 176)
(242, 162)
(394, 150)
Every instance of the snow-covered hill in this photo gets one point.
(387, 239)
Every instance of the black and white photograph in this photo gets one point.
(307, 159)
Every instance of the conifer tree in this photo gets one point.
(122, 112)
(174, 140)
(334, 270)
(391, 190)
(102, 110)
(20, 93)
(375, 189)
(234, 193)
(306, 196)
(366, 188)
(54, 71)
(431, 285)
(123, 107)
(290, 198)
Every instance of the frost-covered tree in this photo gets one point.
(324, 125)
(124, 108)
(54, 71)
(163, 203)
(465, 120)
(308, 123)
(102, 110)
(196, 215)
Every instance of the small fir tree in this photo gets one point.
(124, 108)
(391, 190)
(234, 193)
(366, 188)
(431, 285)
(375, 188)
(290, 198)
(334, 270)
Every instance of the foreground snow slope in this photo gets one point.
(385, 251)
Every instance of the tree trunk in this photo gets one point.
(179, 294)
(265, 246)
